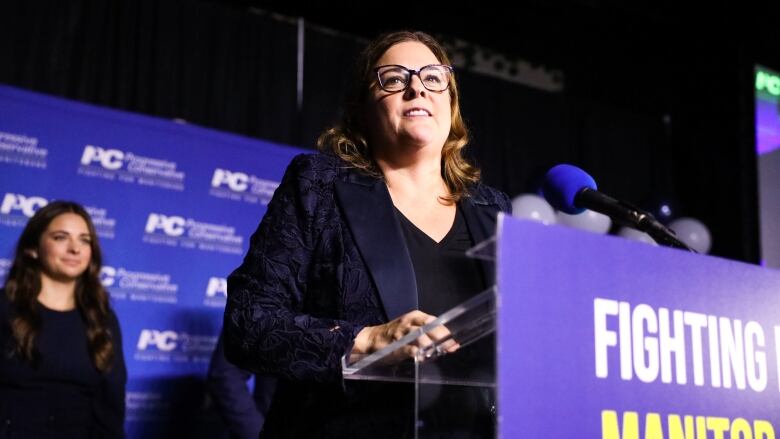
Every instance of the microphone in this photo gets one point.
(571, 190)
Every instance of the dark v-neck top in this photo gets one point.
(445, 276)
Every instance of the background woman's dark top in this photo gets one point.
(62, 395)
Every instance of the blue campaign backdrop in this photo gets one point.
(174, 205)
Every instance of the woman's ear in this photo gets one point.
(31, 253)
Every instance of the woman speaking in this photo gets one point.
(362, 244)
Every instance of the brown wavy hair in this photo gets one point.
(348, 138)
(24, 284)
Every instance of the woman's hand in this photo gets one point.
(373, 338)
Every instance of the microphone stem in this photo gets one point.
(662, 234)
(627, 215)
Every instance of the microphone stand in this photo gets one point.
(629, 215)
(663, 235)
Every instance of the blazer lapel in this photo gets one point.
(367, 206)
(481, 220)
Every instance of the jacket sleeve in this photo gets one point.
(265, 328)
(109, 406)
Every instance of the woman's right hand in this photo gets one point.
(373, 338)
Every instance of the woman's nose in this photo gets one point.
(415, 87)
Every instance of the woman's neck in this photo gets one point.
(413, 176)
(57, 295)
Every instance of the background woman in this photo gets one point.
(62, 372)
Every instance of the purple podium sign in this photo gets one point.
(600, 337)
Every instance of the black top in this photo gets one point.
(445, 275)
(445, 278)
(62, 395)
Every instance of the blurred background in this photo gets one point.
(654, 101)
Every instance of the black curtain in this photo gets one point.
(328, 59)
(197, 61)
(660, 120)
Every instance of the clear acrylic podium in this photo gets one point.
(453, 374)
(557, 374)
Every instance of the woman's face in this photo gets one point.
(414, 117)
(64, 250)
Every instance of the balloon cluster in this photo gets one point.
(533, 207)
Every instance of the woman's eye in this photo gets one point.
(397, 79)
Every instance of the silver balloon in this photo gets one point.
(533, 207)
(636, 235)
(693, 233)
(589, 220)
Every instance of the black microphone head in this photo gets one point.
(561, 185)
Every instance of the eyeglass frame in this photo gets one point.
(413, 72)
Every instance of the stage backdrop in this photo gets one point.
(174, 206)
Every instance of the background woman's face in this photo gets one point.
(414, 117)
(64, 250)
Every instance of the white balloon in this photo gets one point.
(636, 235)
(589, 220)
(693, 233)
(533, 207)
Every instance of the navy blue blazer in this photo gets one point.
(328, 259)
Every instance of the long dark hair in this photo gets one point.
(348, 138)
(24, 284)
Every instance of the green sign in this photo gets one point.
(768, 82)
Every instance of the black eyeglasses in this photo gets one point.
(394, 78)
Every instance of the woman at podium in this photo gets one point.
(361, 244)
